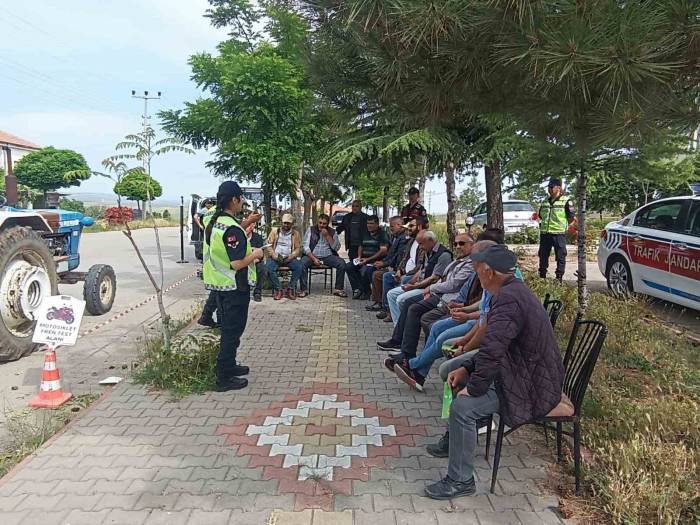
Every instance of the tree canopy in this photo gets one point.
(49, 169)
(138, 186)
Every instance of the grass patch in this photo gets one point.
(641, 415)
(28, 429)
(189, 368)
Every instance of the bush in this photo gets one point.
(166, 214)
(96, 212)
(525, 236)
(72, 205)
(117, 215)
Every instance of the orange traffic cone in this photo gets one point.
(50, 393)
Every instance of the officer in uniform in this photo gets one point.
(556, 214)
(229, 271)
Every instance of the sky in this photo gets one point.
(68, 69)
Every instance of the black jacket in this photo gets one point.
(344, 226)
(520, 354)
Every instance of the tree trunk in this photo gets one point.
(385, 204)
(581, 240)
(323, 205)
(314, 211)
(267, 200)
(308, 198)
(494, 195)
(423, 178)
(330, 208)
(375, 210)
(297, 198)
(451, 200)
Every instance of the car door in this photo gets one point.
(649, 245)
(685, 261)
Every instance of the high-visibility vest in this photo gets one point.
(553, 215)
(217, 272)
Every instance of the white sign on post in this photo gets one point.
(58, 321)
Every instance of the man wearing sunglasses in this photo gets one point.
(407, 332)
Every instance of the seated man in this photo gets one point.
(388, 263)
(407, 332)
(518, 372)
(436, 259)
(321, 245)
(409, 265)
(284, 250)
(375, 244)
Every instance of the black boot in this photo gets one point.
(231, 383)
(441, 449)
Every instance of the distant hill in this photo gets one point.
(109, 199)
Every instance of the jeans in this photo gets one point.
(432, 351)
(395, 298)
(294, 265)
(465, 411)
(388, 283)
(360, 277)
(332, 261)
(547, 242)
(353, 252)
(407, 331)
(232, 309)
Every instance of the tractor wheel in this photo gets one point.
(99, 289)
(27, 275)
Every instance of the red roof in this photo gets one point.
(13, 140)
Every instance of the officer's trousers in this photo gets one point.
(232, 310)
(547, 242)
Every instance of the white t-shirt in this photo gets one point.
(411, 263)
(284, 243)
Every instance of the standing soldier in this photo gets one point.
(556, 214)
(229, 271)
(414, 208)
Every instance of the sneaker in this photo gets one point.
(291, 294)
(279, 294)
(409, 376)
(257, 297)
(207, 321)
(388, 345)
(232, 383)
(388, 319)
(240, 370)
(389, 363)
(356, 294)
(375, 307)
(447, 488)
(441, 449)
(383, 314)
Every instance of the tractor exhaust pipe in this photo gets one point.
(10, 179)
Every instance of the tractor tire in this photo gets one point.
(99, 289)
(21, 244)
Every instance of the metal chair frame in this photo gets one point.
(326, 270)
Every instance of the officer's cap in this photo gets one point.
(554, 181)
(228, 190)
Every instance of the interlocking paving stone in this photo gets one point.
(325, 409)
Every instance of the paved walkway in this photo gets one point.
(323, 435)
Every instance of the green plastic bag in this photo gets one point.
(446, 401)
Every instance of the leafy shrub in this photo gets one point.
(525, 236)
(72, 205)
(96, 212)
(166, 214)
(117, 215)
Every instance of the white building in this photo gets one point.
(18, 148)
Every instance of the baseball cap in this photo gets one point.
(554, 181)
(498, 257)
(228, 190)
(288, 217)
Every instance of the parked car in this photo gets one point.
(655, 250)
(517, 215)
(337, 218)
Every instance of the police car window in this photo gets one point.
(517, 206)
(660, 216)
(694, 220)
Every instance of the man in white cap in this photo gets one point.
(285, 249)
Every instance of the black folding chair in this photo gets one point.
(553, 308)
(585, 343)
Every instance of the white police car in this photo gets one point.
(655, 250)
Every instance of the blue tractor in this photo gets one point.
(39, 249)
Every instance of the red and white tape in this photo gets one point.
(134, 307)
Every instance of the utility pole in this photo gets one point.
(146, 125)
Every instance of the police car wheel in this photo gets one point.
(619, 277)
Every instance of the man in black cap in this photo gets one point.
(518, 371)
(555, 214)
(414, 208)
